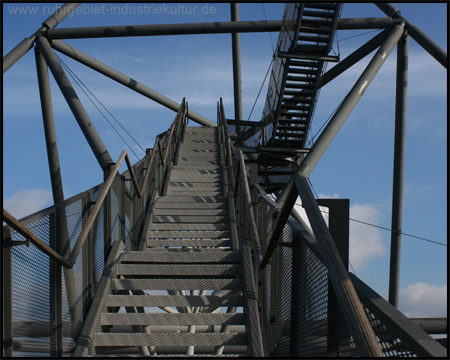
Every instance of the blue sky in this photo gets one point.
(357, 165)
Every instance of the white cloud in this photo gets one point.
(423, 300)
(365, 241)
(27, 202)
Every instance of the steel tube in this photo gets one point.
(125, 80)
(366, 23)
(399, 168)
(236, 53)
(432, 325)
(166, 29)
(85, 123)
(49, 128)
(355, 94)
(353, 58)
(23, 47)
(417, 34)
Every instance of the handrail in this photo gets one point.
(250, 213)
(70, 261)
(24, 231)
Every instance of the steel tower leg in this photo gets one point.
(23, 47)
(49, 128)
(399, 167)
(85, 123)
(237, 82)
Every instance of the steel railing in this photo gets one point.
(68, 263)
(55, 322)
(295, 284)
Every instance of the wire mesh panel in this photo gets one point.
(31, 293)
(283, 295)
(312, 305)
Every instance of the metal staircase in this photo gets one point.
(304, 64)
(186, 273)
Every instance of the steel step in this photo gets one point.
(171, 319)
(189, 234)
(176, 284)
(222, 270)
(329, 6)
(160, 206)
(315, 23)
(190, 212)
(315, 39)
(196, 226)
(319, 14)
(194, 192)
(292, 121)
(188, 242)
(175, 300)
(302, 71)
(315, 30)
(208, 219)
(142, 339)
(189, 256)
(289, 134)
(199, 199)
(299, 86)
(295, 107)
(298, 93)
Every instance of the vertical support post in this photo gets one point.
(88, 257)
(122, 210)
(49, 127)
(7, 350)
(339, 215)
(55, 174)
(399, 167)
(295, 295)
(107, 219)
(56, 318)
(237, 83)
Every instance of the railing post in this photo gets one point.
(122, 205)
(106, 218)
(7, 350)
(56, 334)
(295, 295)
(88, 256)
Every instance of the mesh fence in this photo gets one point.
(33, 293)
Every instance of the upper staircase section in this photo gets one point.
(302, 53)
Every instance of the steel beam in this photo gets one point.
(237, 82)
(353, 58)
(85, 123)
(125, 80)
(203, 28)
(417, 34)
(23, 47)
(166, 29)
(399, 168)
(347, 106)
(49, 128)
(366, 23)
